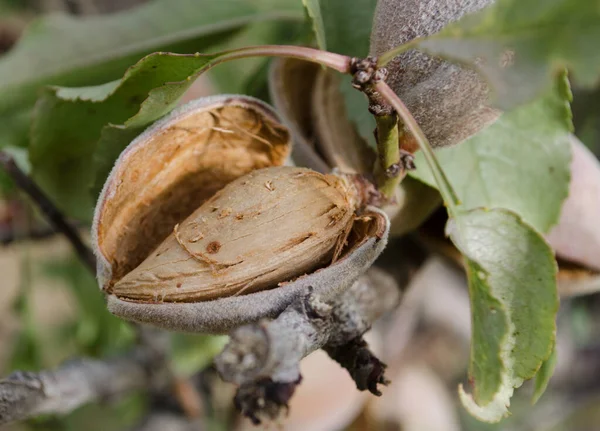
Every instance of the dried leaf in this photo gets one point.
(291, 84)
(337, 137)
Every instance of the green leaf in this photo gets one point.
(344, 27)
(61, 50)
(113, 140)
(14, 129)
(543, 377)
(520, 45)
(313, 8)
(586, 111)
(68, 123)
(512, 285)
(521, 162)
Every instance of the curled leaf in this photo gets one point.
(338, 138)
(512, 285)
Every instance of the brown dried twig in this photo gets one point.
(54, 216)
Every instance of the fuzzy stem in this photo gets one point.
(388, 169)
(448, 194)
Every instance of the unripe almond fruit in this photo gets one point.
(197, 229)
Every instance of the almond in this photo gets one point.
(293, 221)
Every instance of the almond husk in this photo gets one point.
(338, 139)
(179, 249)
(220, 315)
(291, 84)
(269, 226)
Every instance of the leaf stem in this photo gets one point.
(338, 62)
(388, 170)
(388, 56)
(445, 188)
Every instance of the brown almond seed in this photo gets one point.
(300, 225)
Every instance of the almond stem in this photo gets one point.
(448, 194)
(388, 171)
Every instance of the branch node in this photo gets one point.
(264, 399)
(314, 308)
(365, 74)
(407, 160)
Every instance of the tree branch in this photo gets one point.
(77, 382)
(264, 358)
(54, 216)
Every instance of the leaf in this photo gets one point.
(13, 131)
(543, 376)
(521, 162)
(520, 45)
(512, 285)
(586, 111)
(113, 140)
(313, 7)
(344, 27)
(61, 50)
(68, 122)
(357, 108)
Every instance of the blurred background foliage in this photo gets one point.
(50, 306)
